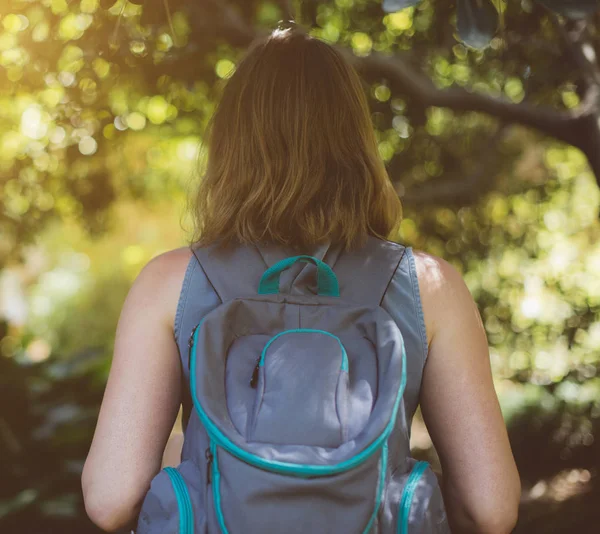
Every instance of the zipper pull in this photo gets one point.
(190, 345)
(209, 459)
(254, 378)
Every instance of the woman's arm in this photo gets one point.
(141, 399)
(481, 484)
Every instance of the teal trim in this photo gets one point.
(300, 470)
(216, 477)
(327, 282)
(216, 482)
(381, 485)
(408, 494)
(306, 331)
(184, 503)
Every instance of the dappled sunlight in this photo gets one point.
(562, 486)
(491, 148)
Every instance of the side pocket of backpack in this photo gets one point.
(414, 502)
(174, 503)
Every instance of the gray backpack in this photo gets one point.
(298, 423)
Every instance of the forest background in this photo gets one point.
(487, 116)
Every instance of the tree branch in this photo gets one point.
(562, 125)
(570, 126)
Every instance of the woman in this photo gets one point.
(293, 162)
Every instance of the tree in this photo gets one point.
(76, 76)
(104, 101)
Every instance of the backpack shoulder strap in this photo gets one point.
(230, 271)
(364, 275)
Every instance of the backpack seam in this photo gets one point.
(393, 274)
(182, 301)
(207, 277)
(414, 282)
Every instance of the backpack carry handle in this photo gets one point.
(327, 283)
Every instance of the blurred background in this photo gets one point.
(487, 116)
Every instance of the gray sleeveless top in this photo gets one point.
(401, 300)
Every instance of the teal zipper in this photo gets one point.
(381, 486)
(184, 503)
(408, 494)
(216, 482)
(216, 489)
(306, 331)
(300, 470)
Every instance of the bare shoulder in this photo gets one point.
(441, 286)
(161, 280)
(460, 407)
(142, 395)
(170, 262)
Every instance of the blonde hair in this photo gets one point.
(292, 154)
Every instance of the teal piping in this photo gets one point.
(381, 486)
(216, 477)
(407, 496)
(300, 470)
(307, 331)
(216, 474)
(184, 503)
(327, 282)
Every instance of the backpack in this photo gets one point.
(298, 423)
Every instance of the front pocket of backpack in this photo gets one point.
(173, 503)
(414, 503)
(252, 500)
(305, 368)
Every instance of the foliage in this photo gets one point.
(477, 20)
(86, 82)
(56, 367)
(104, 106)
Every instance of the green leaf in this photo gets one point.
(573, 9)
(476, 22)
(391, 6)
